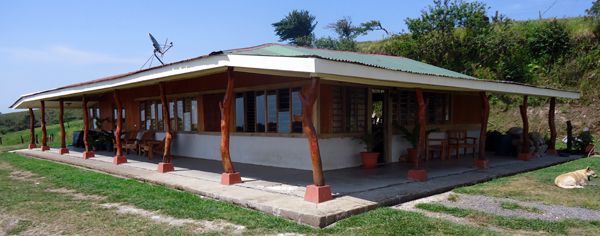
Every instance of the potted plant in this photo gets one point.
(413, 138)
(371, 140)
(587, 141)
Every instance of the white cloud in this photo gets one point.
(65, 55)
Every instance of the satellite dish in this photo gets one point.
(158, 49)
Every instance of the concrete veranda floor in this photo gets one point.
(280, 191)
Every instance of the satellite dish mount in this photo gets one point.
(158, 49)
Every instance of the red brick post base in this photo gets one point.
(63, 151)
(420, 175)
(45, 148)
(481, 164)
(32, 146)
(551, 152)
(88, 155)
(165, 167)
(230, 179)
(524, 156)
(318, 194)
(120, 160)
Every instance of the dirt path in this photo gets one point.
(493, 206)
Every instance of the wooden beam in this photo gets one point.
(31, 127)
(167, 120)
(43, 121)
(485, 104)
(86, 124)
(552, 125)
(61, 121)
(523, 109)
(119, 124)
(309, 129)
(422, 123)
(225, 107)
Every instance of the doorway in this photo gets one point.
(378, 110)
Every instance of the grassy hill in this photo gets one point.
(559, 53)
(15, 121)
(13, 140)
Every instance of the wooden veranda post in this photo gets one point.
(230, 176)
(524, 155)
(416, 174)
(119, 158)
(481, 162)
(422, 125)
(319, 192)
(485, 104)
(43, 122)
(32, 129)
(165, 165)
(61, 112)
(86, 127)
(309, 130)
(552, 143)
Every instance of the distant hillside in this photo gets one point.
(559, 53)
(16, 121)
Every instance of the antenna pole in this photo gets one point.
(158, 59)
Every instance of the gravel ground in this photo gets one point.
(492, 205)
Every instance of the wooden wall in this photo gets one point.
(198, 84)
(466, 109)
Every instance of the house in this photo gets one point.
(352, 92)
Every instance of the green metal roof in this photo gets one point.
(380, 61)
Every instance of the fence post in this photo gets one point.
(21, 139)
(37, 140)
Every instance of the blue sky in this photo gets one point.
(48, 44)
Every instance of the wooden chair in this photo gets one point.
(458, 139)
(442, 147)
(146, 137)
(128, 141)
(152, 146)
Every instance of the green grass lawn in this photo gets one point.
(13, 140)
(538, 186)
(36, 207)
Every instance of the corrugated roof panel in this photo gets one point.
(381, 61)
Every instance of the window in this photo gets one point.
(437, 112)
(183, 114)
(94, 114)
(115, 115)
(269, 111)
(349, 109)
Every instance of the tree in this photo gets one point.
(347, 34)
(446, 15)
(594, 11)
(296, 28)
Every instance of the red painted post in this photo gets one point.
(166, 165)
(86, 127)
(552, 125)
(31, 130)
(63, 144)
(119, 158)
(416, 174)
(230, 176)
(43, 121)
(524, 155)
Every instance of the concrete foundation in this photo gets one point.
(281, 191)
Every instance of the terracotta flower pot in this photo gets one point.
(588, 148)
(369, 159)
(412, 155)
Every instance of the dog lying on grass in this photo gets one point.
(575, 179)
